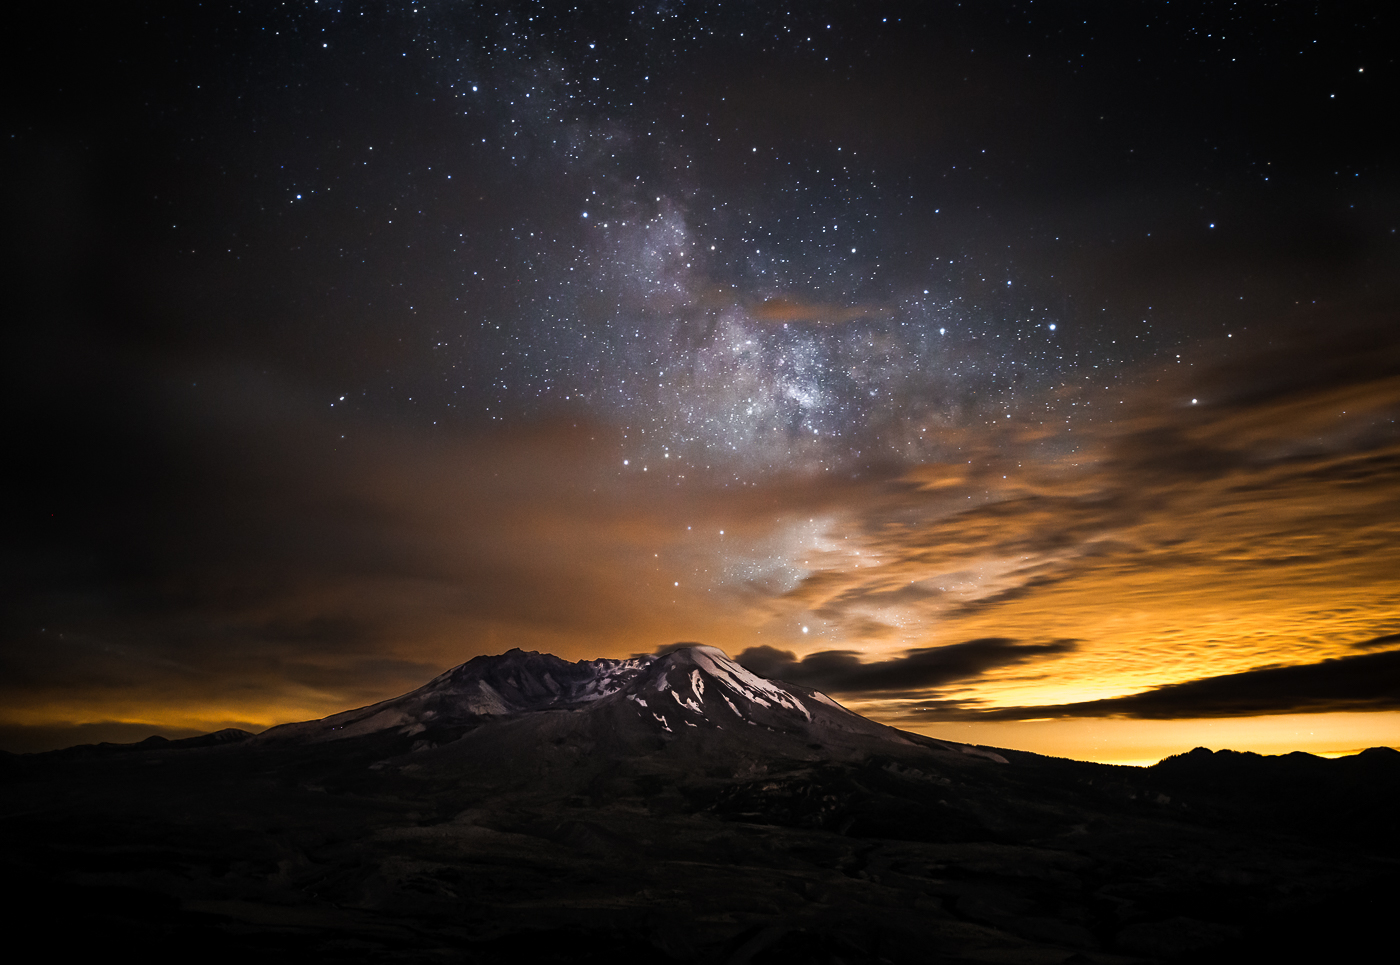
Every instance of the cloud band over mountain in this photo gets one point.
(842, 672)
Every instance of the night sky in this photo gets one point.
(1022, 373)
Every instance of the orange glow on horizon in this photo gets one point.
(1133, 560)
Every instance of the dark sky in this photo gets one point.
(976, 362)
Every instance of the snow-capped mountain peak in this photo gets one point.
(690, 688)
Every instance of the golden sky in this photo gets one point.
(1237, 514)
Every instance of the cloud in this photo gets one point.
(261, 568)
(1384, 641)
(1176, 540)
(1369, 682)
(293, 573)
(666, 648)
(843, 672)
(779, 309)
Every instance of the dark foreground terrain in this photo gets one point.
(564, 834)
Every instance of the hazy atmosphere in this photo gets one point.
(1024, 374)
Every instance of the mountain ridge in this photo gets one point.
(694, 687)
(494, 686)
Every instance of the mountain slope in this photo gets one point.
(490, 686)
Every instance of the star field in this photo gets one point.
(739, 236)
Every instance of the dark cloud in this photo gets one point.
(780, 310)
(911, 593)
(1384, 641)
(666, 648)
(1363, 683)
(842, 672)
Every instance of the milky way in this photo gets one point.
(731, 273)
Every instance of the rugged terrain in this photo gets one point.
(680, 808)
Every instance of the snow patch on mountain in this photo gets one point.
(744, 682)
(688, 704)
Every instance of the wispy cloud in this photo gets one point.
(784, 309)
(1237, 515)
(1110, 563)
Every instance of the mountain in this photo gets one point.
(627, 703)
(488, 686)
(229, 735)
(679, 808)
